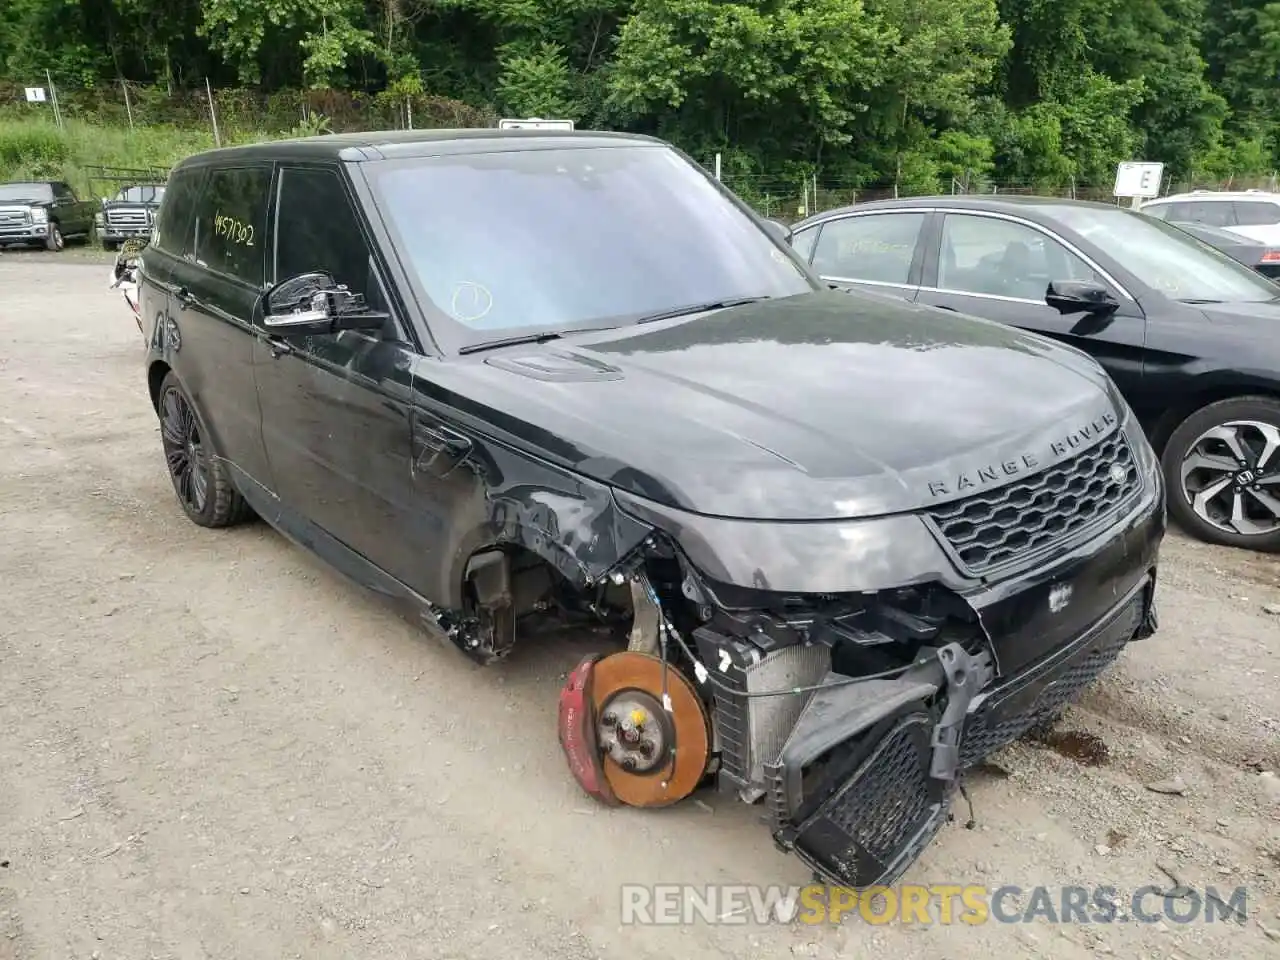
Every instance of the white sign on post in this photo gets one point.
(535, 123)
(35, 95)
(1139, 180)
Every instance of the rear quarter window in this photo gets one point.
(803, 242)
(231, 222)
(175, 228)
(1257, 213)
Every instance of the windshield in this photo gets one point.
(140, 194)
(1168, 259)
(524, 241)
(25, 191)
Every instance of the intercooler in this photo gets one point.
(752, 729)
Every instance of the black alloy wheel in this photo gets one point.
(200, 479)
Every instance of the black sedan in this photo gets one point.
(1264, 259)
(1190, 335)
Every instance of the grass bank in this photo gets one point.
(32, 149)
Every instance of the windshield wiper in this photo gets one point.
(1193, 300)
(519, 338)
(510, 341)
(698, 308)
(547, 335)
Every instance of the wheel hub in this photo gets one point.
(1231, 477)
(650, 729)
(633, 731)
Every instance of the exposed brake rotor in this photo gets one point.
(651, 757)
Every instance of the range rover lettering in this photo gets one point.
(839, 547)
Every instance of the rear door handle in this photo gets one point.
(184, 297)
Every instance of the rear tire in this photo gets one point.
(201, 480)
(1222, 473)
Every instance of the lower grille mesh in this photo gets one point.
(879, 810)
(874, 823)
(985, 735)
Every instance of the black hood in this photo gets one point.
(815, 407)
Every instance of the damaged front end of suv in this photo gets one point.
(846, 673)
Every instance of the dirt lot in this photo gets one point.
(210, 746)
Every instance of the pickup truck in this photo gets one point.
(43, 212)
(128, 215)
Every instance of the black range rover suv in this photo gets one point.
(846, 546)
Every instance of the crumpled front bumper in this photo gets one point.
(897, 747)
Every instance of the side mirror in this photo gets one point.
(1079, 296)
(781, 229)
(313, 304)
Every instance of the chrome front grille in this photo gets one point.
(14, 218)
(137, 217)
(1018, 521)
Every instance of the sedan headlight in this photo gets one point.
(39, 215)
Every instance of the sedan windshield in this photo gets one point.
(521, 242)
(1168, 259)
(10, 192)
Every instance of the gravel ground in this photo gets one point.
(211, 746)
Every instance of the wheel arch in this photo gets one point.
(1204, 391)
(156, 373)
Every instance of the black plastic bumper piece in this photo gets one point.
(883, 796)
(1042, 692)
(884, 809)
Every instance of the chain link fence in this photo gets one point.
(238, 115)
(790, 200)
(212, 116)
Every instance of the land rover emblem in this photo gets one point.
(1118, 473)
(1059, 597)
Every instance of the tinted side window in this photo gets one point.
(1214, 213)
(231, 222)
(877, 247)
(62, 192)
(175, 232)
(1173, 212)
(1002, 258)
(1256, 213)
(802, 242)
(317, 229)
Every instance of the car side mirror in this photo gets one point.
(1079, 296)
(313, 304)
(781, 230)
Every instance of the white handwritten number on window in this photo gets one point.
(233, 230)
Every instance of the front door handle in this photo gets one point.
(278, 347)
(184, 297)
